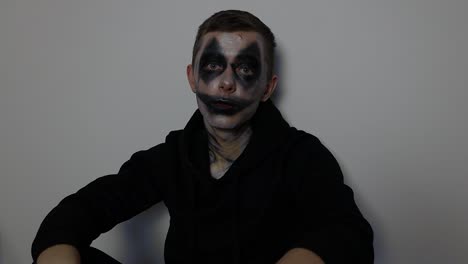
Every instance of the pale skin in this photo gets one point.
(228, 134)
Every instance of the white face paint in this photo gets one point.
(230, 78)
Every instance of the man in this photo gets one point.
(240, 184)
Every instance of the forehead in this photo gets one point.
(231, 43)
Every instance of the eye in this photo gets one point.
(245, 69)
(212, 66)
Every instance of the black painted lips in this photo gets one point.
(223, 106)
(227, 107)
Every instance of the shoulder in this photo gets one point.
(159, 154)
(308, 157)
(171, 142)
(302, 143)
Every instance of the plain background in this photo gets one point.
(84, 84)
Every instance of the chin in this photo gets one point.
(224, 122)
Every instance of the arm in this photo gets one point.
(81, 217)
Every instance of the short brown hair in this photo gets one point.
(237, 20)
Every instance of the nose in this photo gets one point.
(227, 83)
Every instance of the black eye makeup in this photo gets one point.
(246, 65)
(212, 62)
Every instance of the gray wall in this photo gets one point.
(84, 84)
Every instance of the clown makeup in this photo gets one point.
(229, 78)
(223, 106)
(246, 65)
(242, 68)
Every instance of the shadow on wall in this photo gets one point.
(278, 69)
(144, 235)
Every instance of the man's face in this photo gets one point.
(229, 77)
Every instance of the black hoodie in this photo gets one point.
(285, 191)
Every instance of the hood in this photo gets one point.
(269, 131)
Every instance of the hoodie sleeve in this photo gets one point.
(96, 208)
(328, 222)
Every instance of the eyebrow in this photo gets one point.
(212, 48)
(250, 52)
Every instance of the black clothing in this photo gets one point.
(90, 255)
(286, 190)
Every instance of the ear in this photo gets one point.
(191, 77)
(270, 87)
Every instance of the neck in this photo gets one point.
(228, 144)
